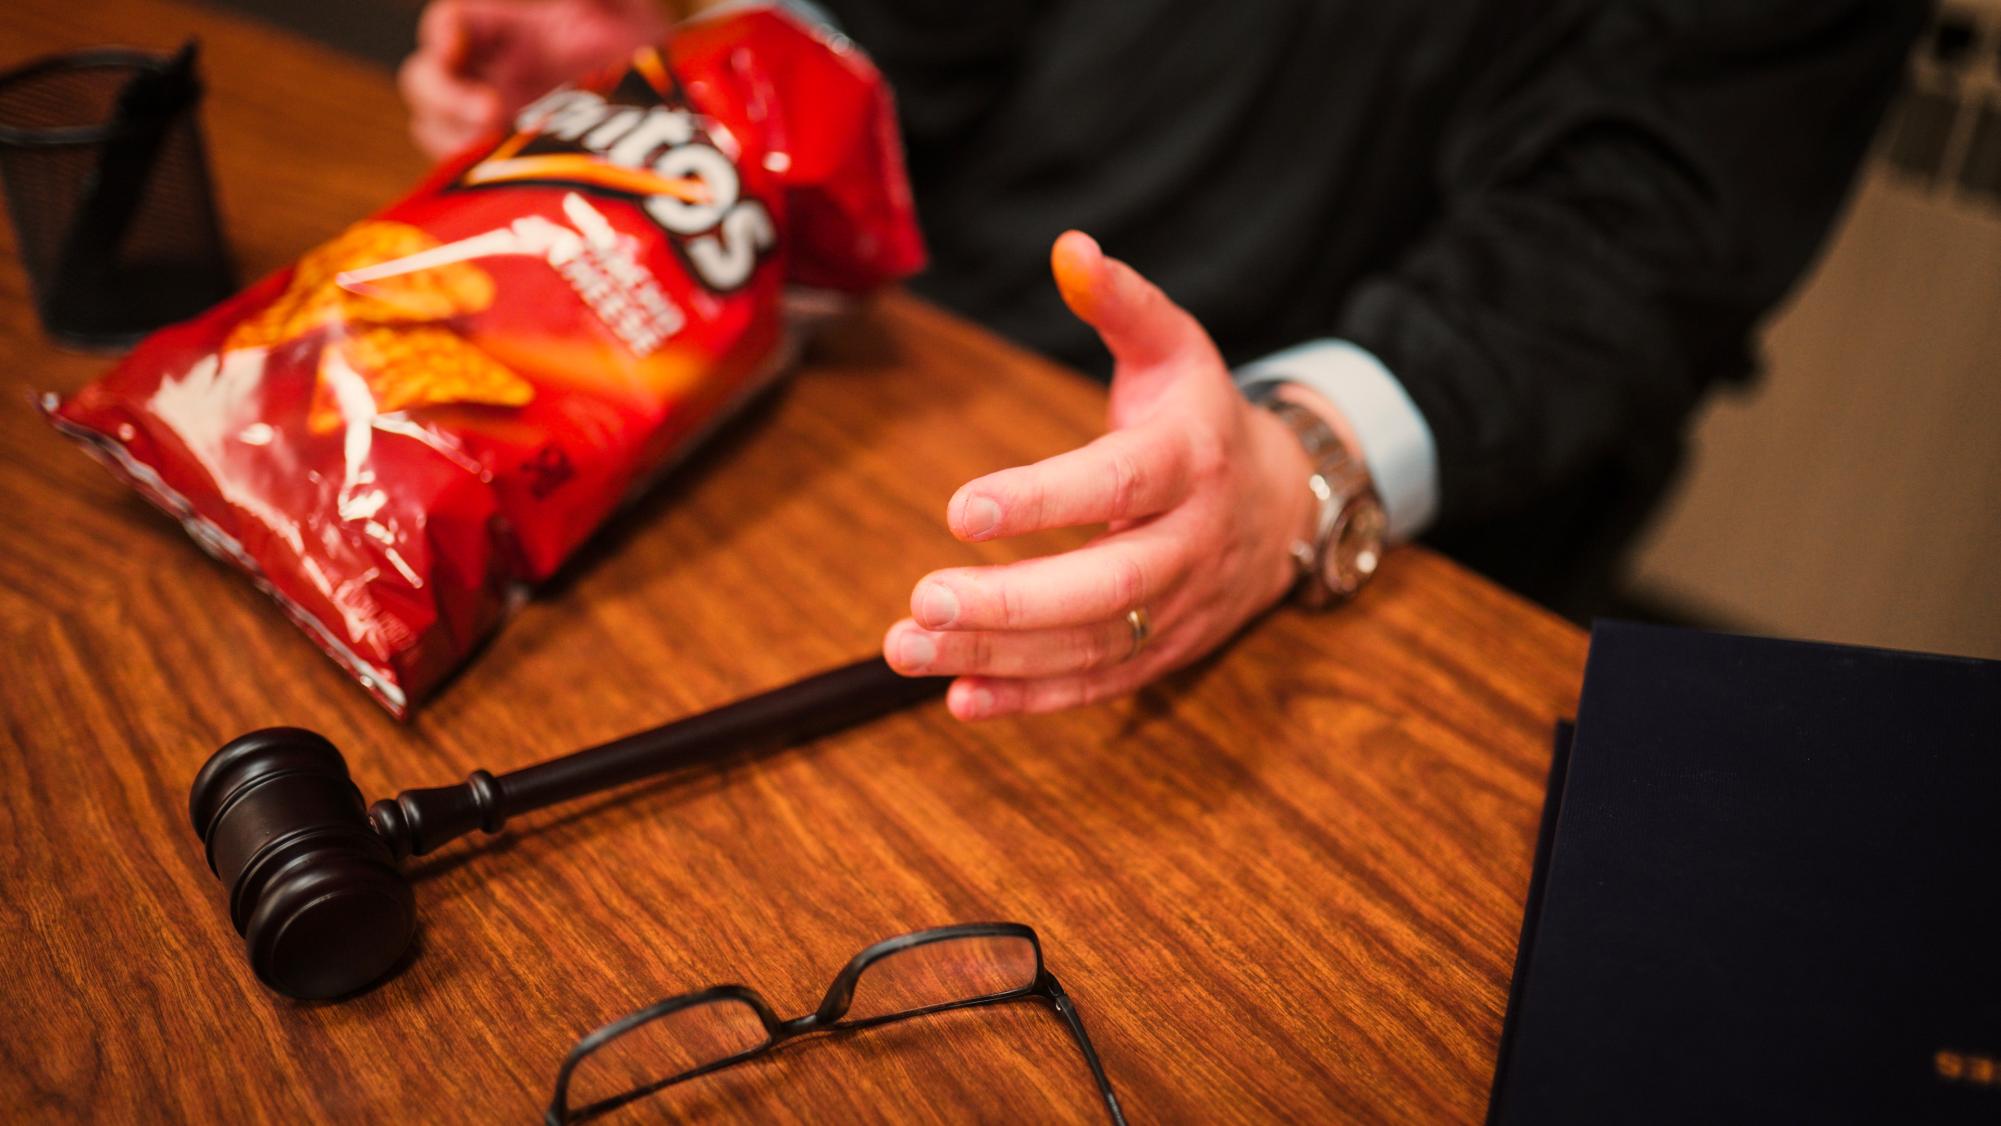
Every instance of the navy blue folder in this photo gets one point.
(1768, 890)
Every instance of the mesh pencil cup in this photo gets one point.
(108, 188)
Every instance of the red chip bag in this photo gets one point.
(428, 414)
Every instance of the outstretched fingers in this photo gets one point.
(1095, 583)
(1124, 475)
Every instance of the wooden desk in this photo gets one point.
(1283, 886)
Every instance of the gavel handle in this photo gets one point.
(417, 821)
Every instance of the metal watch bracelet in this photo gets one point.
(1348, 531)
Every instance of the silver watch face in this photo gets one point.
(1354, 546)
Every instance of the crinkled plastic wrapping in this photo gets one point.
(428, 414)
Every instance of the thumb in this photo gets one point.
(1139, 324)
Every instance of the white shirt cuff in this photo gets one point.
(1396, 442)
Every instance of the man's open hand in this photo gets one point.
(1203, 493)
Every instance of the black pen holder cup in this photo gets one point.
(108, 187)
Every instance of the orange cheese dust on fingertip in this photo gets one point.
(1076, 261)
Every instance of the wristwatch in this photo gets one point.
(1348, 535)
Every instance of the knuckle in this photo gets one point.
(1013, 611)
(1204, 457)
(1128, 477)
(1092, 649)
(1128, 583)
(1024, 502)
(981, 655)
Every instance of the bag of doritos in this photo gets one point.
(424, 417)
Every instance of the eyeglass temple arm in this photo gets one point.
(1075, 1020)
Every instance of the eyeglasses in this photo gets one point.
(929, 971)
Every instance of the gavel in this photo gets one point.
(314, 887)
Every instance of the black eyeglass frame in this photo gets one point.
(827, 1017)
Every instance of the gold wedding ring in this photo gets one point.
(1142, 627)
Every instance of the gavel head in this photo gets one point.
(313, 889)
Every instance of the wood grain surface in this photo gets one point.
(1283, 886)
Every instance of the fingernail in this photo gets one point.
(975, 703)
(915, 651)
(937, 606)
(979, 516)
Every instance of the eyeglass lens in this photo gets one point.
(949, 970)
(966, 968)
(666, 1046)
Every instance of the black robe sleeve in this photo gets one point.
(1626, 194)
